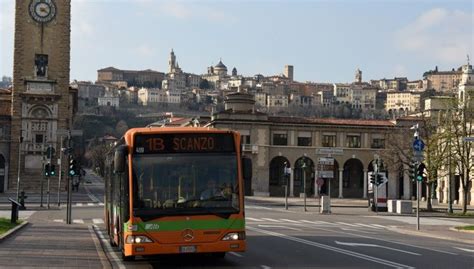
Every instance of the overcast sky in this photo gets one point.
(325, 40)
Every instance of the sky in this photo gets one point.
(325, 40)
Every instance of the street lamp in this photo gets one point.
(303, 168)
(286, 173)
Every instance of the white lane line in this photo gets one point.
(101, 204)
(78, 204)
(110, 251)
(97, 221)
(80, 221)
(90, 204)
(236, 254)
(375, 246)
(265, 267)
(378, 225)
(348, 224)
(279, 226)
(317, 222)
(367, 225)
(357, 230)
(58, 220)
(465, 249)
(289, 220)
(376, 238)
(272, 220)
(252, 219)
(335, 249)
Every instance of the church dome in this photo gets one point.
(220, 66)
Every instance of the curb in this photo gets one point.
(104, 260)
(409, 232)
(12, 231)
(461, 230)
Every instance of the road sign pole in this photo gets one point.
(60, 171)
(69, 182)
(304, 188)
(418, 190)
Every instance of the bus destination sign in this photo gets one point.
(183, 143)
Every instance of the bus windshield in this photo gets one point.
(180, 184)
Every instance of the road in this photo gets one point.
(276, 238)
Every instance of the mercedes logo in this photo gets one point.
(187, 235)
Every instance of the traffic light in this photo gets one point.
(52, 170)
(47, 170)
(419, 172)
(72, 167)
(372, 178)
(379, 179)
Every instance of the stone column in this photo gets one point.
(406, 183)
(445, 190)
(365, 184)
(392, 184)
(292, 181)
(341, 170)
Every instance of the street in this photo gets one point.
(350, 237)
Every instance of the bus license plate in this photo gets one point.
(187, 249)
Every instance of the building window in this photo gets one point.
(245, 139)
(39, 138)
(329, 141)
(353, 141)
(304, 141)
(280, 139)
(378, 143)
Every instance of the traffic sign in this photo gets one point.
(469, 139)
(418, 145)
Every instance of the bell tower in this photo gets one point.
(41, 102)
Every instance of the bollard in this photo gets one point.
(14, 216)
(286, 197)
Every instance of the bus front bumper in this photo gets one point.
(210, 247)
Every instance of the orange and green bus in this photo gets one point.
(176, 190)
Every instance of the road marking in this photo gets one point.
(236, 254)
(375, 238)
(357, 230)
(97, 221)
(465, 249)
(331, 248)
(279, 226)
(272, 220)
(265, 267)
(101, 204)
(90, 204)
(289, 220)
(80, 221)
(110, 250)
(252, 219)
(378, 225)
(58, 220)
(348, 224)
(367, 225)
(78, 204)
(376, 246)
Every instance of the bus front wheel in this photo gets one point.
(218, 254)
(127, 258)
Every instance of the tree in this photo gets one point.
(121, 127)
(204, 84)
(459, 126)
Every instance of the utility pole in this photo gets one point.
(60, 171)
(375, 185)
(20, 140)
(69, 192)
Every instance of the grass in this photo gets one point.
(461, 215)
(469, 228)
(5, 225)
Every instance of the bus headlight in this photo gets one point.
(234, 236)
(138, 239)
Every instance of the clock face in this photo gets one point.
(42, 10)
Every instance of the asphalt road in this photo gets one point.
(276, 238)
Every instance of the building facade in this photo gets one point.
(274, 143)
(402, 103)
(42, 101)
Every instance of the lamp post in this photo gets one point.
(20, 141)
(286, 172)
(303, 168)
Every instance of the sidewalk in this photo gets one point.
(436, 231)
(50, 245)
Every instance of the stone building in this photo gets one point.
(402, 102)
(5, 138)
(42, 101)
(443, 81)
(274, 143)
(149, 78)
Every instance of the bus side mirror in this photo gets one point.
(119, 159)
(247, 168)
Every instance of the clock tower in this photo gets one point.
(41, 99)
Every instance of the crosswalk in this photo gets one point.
(87, 204)
(81, 221)
(319, 223)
